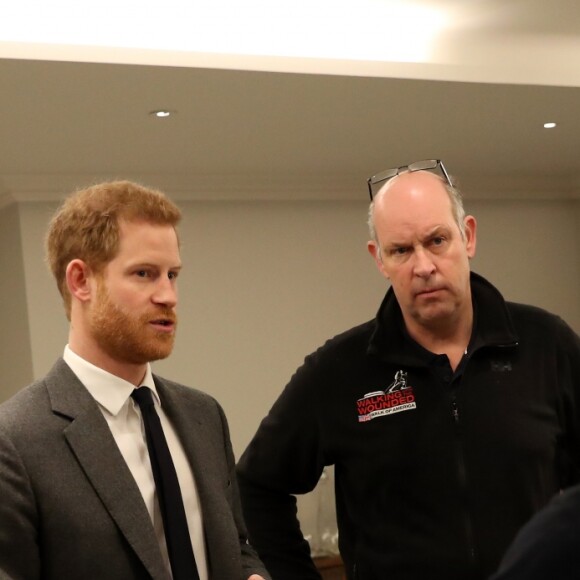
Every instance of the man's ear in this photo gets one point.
(375, 252)
(470, 235)
(79, 280)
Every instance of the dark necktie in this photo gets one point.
(168, 492)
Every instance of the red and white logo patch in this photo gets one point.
(397, 397)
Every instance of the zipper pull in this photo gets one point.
(455, 411)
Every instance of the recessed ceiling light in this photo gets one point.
(161, 113)
(550, 125)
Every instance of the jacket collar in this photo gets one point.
(493, 325)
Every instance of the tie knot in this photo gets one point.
(143, 396)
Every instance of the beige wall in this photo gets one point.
(15, 351)
(46, 319)
(267, 282)
(531, 251)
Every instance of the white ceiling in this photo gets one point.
(287, 127)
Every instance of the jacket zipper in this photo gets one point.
(462, 474)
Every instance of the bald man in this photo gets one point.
(450, 418)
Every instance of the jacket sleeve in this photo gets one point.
(568, 365)
(284, 458)
(546, 547)
(19, 550)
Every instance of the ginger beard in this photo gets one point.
(130, 338)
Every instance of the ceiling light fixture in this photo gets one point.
(550, 125)
(161, 113)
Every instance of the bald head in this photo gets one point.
(411, 184)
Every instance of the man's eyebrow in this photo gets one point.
(157, 266)
(437, 230)
(396, 244)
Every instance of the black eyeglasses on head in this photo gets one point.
(426, 165)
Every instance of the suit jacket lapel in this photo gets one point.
(205, 459)
(94, 447)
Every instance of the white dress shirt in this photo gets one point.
(123, 416)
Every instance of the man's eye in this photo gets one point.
(142, 273)
(399, 251)
(437, 241)
(172, 275)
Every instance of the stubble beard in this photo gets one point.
(128, 338)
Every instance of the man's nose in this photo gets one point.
(166, 292)
(424, 265)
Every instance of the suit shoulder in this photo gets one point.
(25, 405)
(179, 391)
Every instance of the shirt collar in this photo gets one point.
(110, 391)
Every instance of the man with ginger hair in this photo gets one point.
(80, 492)
(450, 418)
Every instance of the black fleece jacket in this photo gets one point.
(435, 470)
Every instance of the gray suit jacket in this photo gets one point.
(69, 506)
